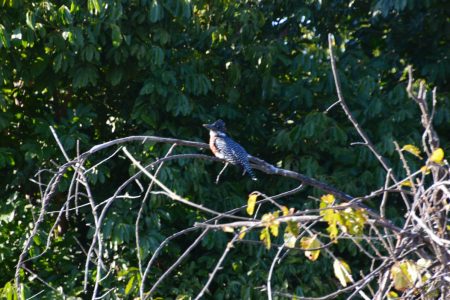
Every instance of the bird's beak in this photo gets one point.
(207, 126)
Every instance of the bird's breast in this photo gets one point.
(213, 147)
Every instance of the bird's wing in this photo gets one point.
(232, 151)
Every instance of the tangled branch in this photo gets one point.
(421, 244)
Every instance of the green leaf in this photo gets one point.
(94, 6)
(115, 76)
(156, 11)
(9, 291)
(85, 76)
(157, 55)
(147, 89)
(37, 240)
(116, 35)
(89, 52)
(64, 15)
(4, 37)
(57, 62)
(129, 286)
(30, 19)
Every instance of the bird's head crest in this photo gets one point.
(218, 126)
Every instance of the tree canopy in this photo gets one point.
(99, 70)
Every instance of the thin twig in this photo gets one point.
(138, 218)
(177, 262)
(217, 267)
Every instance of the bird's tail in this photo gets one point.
(250, 172)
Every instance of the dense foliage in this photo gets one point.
(98, 70)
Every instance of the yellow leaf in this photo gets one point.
(289, 239)
(310, 243)
(437, 156)
(251, 203)
(329, 215)
(285, 210)
(274, 228)
(328, 199)
(392, 295)
(292, 227)
(349, 220)
(407, 183)
(412, 149)
(270, 219)
(333, 231)
(353, 221)
(332, 218)
(342, 271)
(265, 237)
(404, 274)
(242, 232)
(266, 219)
(228, 229)
(425, 170)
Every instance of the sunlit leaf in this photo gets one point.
(37, 240)
(353, 220)
(270, 221)
(129, 286)
(289, 239)
(228, 229)
(412, 149)
(292, 227)
(251, 202)
(348, 220)
(342, 271)
(65, 15)
(265, 237)
(328, 199)
(329, 215)
(392, 295)
(407, 183)
(274, 229)
(4, 37)
(310, 243)
(30, 19)
(242, 232)
(425, 170)
(404, 274)
(267, 219)
(94, 6)
(437, 156)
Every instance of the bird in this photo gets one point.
(224, 147)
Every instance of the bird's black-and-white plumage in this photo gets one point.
(226, 148)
